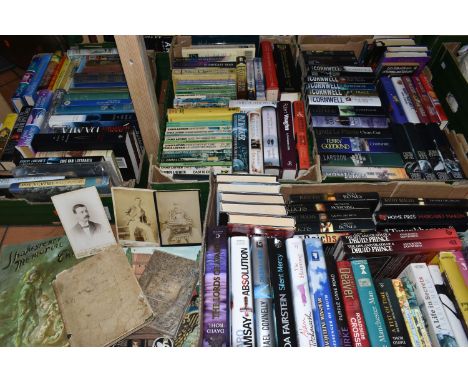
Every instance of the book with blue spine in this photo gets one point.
(240, 143)
(259, 80)
(30, 93)
(103, 109)
(355, 145)
(17, 99)
(373, 317)
(36, 120)
(391, 100)
(326, 326)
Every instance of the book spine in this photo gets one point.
(216, 298)
(394, 321)
(30, 93)
(330, 132)
(352, 306)
(271, 160)
(269, 71)
(263, 296)
(251, 80)
(240, 143)
(6, 130)
(425, 99)
(333, 77)
(305, 327)
(462, 265)
(455, 282)
(442, 117)
(344, 100)
(102, 183)
(327, 207)
(331, 216)
(335, 226)
(10, 154)
(352, 197)
(349, 145)
(416, 313)
(242, 320)
(364, 173)
(320, 293)
(287, 145)
(405, 99)
(5, 183)
(410, 324)
(64, 70)
(349, 122)
(404, 146)
(259, 80)
(339, 92)
(420, 217)
(409, 86)
(17, 99)
(287, 76)
(382, 237)
(196, 170)
(453, 317)
(338, 302)
(368, 297)
(51, 67)
(56, 72)
(339, 86)
(362, 160)
(342, 68)
(282, 294)
(300, 130)
(394, 106)
(255, 143)
(417, 142)
(424, 203)
(241, 78)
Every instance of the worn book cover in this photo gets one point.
(29, 314)
(168, 283)
(100, 299)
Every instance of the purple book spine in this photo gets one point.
(422, 61)
(216, 331)
(288, 153)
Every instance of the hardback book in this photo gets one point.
(246, 178)
(442, 117)
(375, 324)
(227, 197)
(255, 143)
(302, 142)
(287, 144)
(241, 224)
(453, 317)
(100, 299)
(425, 99)
(421, 204)
(355, 197)
(271, 151)
(241, 286)
(269, 71)
(394, 321)
(302, 303)
(240, 143)
(288, 77)
(30, 314)
(352, 306)
(325, 321)
(263, 294)
(282, 294)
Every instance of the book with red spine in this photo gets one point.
(352, 305)
(443, 120)
(425, 99)
(420, 111)
(269, 71)
(302, 143)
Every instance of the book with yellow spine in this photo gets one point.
(451, 274)
(64, 69)
(202, 114)
(6, 129)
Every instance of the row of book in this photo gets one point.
(262, 291)
(248, 137)
(78, 131)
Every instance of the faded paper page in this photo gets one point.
(101, 300)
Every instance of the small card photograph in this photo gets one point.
(135, 216)
(179, 217)
(84, 220)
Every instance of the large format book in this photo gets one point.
(452, 313)
(241, 286)
(394, 321)
(326, 326)
(375, 324)
(100, 299)
(300, 293)
(352, 306)
(29, 313)
(216, 330)
(282, 294)
(262, 292)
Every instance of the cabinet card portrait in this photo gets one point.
(135, 216)
(179, 217)
(84, 220)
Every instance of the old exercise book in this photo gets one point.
(101, 300)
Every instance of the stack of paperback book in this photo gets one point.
(290, 293)
(252, 204)
(75, 126)
(406, 213)
(333, 213)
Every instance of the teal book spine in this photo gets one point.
(373, 316)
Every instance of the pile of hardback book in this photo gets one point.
(74, 127)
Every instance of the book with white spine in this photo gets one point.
(405, 100)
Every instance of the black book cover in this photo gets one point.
(356, 225)
(346, 111)
(338, 303)
(334, 215)
(352, 197)
(352, 132)
(435, 159)
(288, 77)
(119, 142)
(394, 321)
(419, 148)
(323, 206)
(282, 294)
(445, 150)
(403, 145)
(10, 154)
